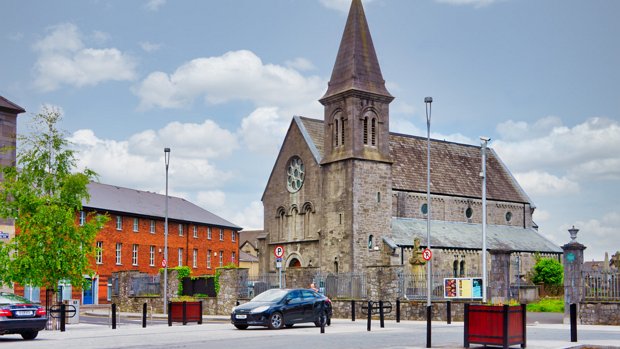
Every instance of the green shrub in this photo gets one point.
(547, 305)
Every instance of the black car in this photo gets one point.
(18, 315)
(276, 308)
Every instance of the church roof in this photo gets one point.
(8, 106)
(357, 66)
(143, 203)
(455, 167)
(469, 236)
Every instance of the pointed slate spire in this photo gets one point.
(357, 66)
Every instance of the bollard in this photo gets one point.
(63, 316)
(381, 317)
(144, 315)
(200, 309)
(113, 316)
(449, 312)
(352, 310)
(369, 315)
(573, 322)
(322, 317)
(169, 314)
(429, 313)
(184, 313)
(397, 310)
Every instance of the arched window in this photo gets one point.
(462, 271)
(365, 136)
(336, 132)
(280, 221)
(370, 242)
(369, 126)
(373, 130)
(338, 129)
(455, 268)
(341, 131)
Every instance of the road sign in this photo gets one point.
(427, 254)
(163, 263)
(278, 251)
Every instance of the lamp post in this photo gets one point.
(483, 174)
(167, 162)
(428, 101)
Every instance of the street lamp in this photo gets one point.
(167, 162)
(483, 174)
(428, 101)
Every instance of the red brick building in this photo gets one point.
(133, 239)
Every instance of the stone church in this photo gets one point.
(346, 193)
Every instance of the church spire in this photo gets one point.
(357, 66)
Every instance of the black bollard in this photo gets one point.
(323, 317)
(381, 317)
(429, 313)
(144, 315)
(369, 315)
(573, 322)
(169, 314)
(114, 316)
(200, 309)
(449, 312)
(63, 316)
(397, 310)
(184, 313)
(352, 310)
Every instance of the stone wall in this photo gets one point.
(599, 313)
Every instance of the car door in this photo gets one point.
(294, 307)
(309, 300)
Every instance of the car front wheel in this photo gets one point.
(275, 321)
(29, 335)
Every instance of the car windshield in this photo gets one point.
(10, 298)
(270, 295)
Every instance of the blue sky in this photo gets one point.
(218, 83)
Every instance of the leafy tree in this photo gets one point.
(43, 195)
(548, 271)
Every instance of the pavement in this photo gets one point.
(94, 331)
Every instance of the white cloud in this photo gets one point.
(541, 216)
(154, 5)
(263, 130)
(585, 151)
(300, 63)
(341, 5)
(64, 59)
(236, 75)
(100, 37)
(213, 200)
(475, 3)
(520, 130)
(149, 46)
(543, 183)
(598, 235)
(251, 217)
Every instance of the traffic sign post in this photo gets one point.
(278, 251)
(163, 263)
(427, 254)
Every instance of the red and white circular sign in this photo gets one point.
(278, 251)
(163, 263)
(427, 254)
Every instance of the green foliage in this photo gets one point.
(182, 272)
(550, 305)
(230, 266)
(43, 194)
(183, 299)
(548, 271)
(217, 282)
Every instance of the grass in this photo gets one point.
(547, 305)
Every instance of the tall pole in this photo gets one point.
(167, 161)
(484, 140)
(428, 101)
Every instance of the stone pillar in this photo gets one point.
(573, 280)
(300, 277)
(382, 282)
(499, 276)
(231, 282)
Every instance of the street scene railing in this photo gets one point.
(601, 286)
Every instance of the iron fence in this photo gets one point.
(342, 285)
(601, 286)
(257, 284)
(144, 285)
(415, 287)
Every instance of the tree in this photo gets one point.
(44, 196)
(548, 271)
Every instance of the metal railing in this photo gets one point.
(342, 285)
(414, 286)
(601, 286)
(143, 285)
(257, 284)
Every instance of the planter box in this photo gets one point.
(184, 312)
(500, 325)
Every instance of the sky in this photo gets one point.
(219, 81)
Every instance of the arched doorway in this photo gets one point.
(294, 263)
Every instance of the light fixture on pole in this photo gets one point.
(483, 174)
(428, 101)
(167, 162)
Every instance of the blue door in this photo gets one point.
(88, 294)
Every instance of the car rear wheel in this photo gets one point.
(275, 321)
(29, 335)
(241, 327)
(322, 318)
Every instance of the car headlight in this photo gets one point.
(260, 309)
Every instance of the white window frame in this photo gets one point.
(221, 234)
(180, 229)
(209, 233)
(82, 218)
(195, 231)
(180, 257)
(99, 253)
(134, 254)
(195, 259)
(152, 256)
(119, 222)
(136, 224)
(209, 252)
(232, 257)
(221, 258)
(119, 253)
(233, 235)
(152, 226)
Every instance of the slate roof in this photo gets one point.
(8, 106)
(249, 236)
(246, 257)
(143, 203)
(469, 236)
(455, 167)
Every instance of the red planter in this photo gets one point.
(501, 325)
(184, 312)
